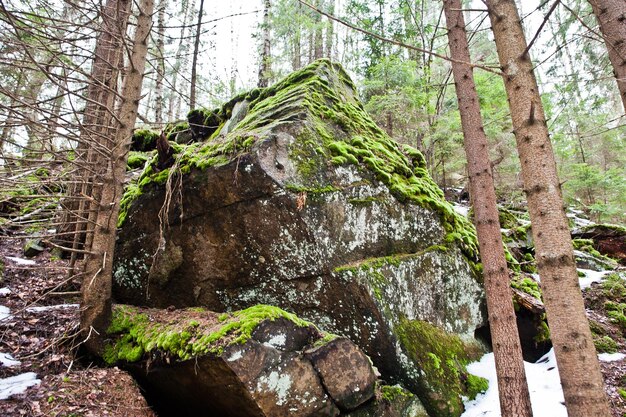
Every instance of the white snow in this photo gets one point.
(54, 307)
(4, 313)
(17, 384)
(8, 360)
(463, 210)
(21, 261)
(5, 291)
(544, 385)
(611, 357)
(591, 277)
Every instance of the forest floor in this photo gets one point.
(40, 333)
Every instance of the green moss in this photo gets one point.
(137, 159)
(144, 140)
(605, 344)
(622, 393)
(476, 385)
(507, 219)
(310, 190)
(614, 287)
(366, 201)
(527, 285)
(442, 358)
(392, 393)
(135, 334)
(615, 312)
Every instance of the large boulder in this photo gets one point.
(297, 199)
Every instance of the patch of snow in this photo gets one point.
(536, 277)
(611, 357)
(591, 276)
(463, 210)
(54, 307)
(17, 384)
(578, 221)
(8, 360)
(5, 291)
(4, 313)
(21, 261)
(544, 384)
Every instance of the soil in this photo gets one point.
(46, 341)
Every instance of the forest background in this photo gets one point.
(409, 93)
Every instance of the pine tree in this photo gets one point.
(512, 385)
(573, 344)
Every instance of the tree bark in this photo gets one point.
(96, 288)
(573, 344)
(160, 63)
(512, 385)
(611, 15)
(194, 62)
(265, 68)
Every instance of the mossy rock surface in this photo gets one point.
(295, 198)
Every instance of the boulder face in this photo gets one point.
(297, 199)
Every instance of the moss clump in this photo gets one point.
(392, 393)
(605, 344)
(137, 159)
(507, 219)
(614, 287)
(476, 385)
(527, 285)
(144, 140)
(442, 358)
(135, 333)
(615, 312)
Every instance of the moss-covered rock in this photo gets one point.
(295, 198)
(257, 361)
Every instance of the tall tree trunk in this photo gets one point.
(512, 385)
(573, 344)
(97, 282)
(296, 61)
(611, 15)
(330, 32)
(95, 129)
(265, 67)
(194, 62)
(160, 63)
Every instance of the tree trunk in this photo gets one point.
(179, 61)
(512, 385)
(96, 288)
(95, 130)
(573, 344)
(160, 63)
(265, 68)
(611, 15)
(194, 62)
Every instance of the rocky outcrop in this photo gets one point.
(261, 362)
(295, 198)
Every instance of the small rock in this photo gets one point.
(33, 247)
(345, 371)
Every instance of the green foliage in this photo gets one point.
(476, 385)
(527, 285)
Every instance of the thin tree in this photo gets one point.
(611, 15)
(265, 67)
(194, 59)
(512, 385)
(160, 63)
(97, 282)
(569, 329)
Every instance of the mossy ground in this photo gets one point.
(183, 334)
(442, 358)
